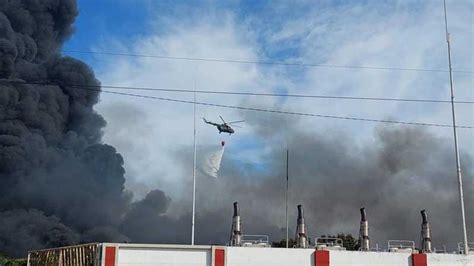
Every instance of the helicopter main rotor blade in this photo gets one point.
(222, 119)
(236, 126)
(235, 122)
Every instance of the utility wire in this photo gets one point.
(285, 112)
(278, 63)
(264, 110)
(251, 93)
(254, 62)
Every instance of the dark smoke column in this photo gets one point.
(58, 183)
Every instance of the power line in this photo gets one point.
(285, 112)
(279, 63)
(252, 93)
(269, 110)
(255, 62)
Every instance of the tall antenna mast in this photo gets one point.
(458, 163)
(287, 188)
(194, 166)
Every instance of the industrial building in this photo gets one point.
(255, 250)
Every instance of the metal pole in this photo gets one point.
(194, 167)
(458, 163)
(287, 187)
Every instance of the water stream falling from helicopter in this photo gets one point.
(212, 163)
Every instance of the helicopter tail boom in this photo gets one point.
(209, 122)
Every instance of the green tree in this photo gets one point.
(349, 242)
(282, 243)
(4, 261)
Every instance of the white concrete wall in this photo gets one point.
(173, 255)
(237, 256)
(450, 259)
(164, 256)
(354, 258)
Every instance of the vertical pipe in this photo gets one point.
(425, 233)
(194, 166)
(364, 240)
(287, 187)
(456, 148)
(236, 231)
(301, 238)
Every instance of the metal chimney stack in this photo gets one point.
(301, 237)
(236, 233)
(425, 234)
(364, 241)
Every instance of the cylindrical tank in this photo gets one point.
(425, 233)
(364, 240)
(236, 232)
(301, 237)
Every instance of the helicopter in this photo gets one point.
(224, 127)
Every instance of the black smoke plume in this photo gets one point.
(394, 175)
(59, 184)
(399, 172)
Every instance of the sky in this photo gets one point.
(152, 135)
